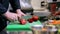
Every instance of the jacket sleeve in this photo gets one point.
(15, 4)
(2, 9)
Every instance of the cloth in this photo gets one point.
(4, 4)
(3, 31)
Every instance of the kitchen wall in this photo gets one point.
(38, 10)
(37, 4)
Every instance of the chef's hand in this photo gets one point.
(20, 13)
(10, 16)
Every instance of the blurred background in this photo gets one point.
(37, 7)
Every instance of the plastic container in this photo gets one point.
(37, 29)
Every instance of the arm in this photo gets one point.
(16, 7)
(5, 13)
(2, 9)
(15, 4)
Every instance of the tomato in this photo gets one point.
(23, 21)
(30, 20)
(35, 18)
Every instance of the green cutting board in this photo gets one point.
(18, 27)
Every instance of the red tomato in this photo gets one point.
(35, 18)
(30, 20)
(23, 21)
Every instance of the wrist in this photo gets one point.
(18, 11)
(6, 13)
